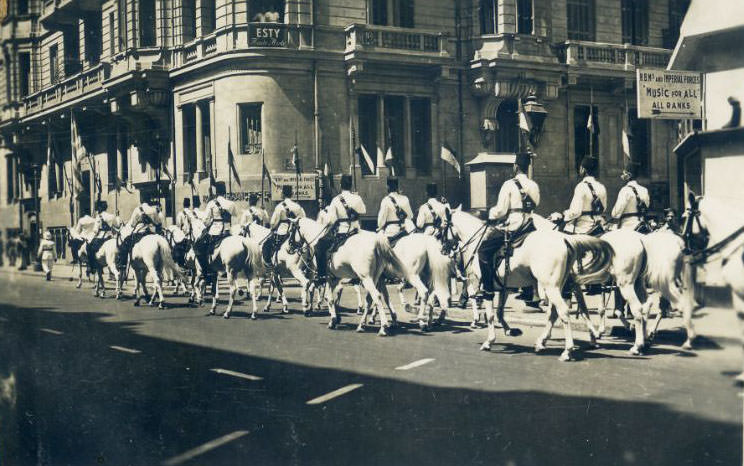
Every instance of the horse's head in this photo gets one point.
(125, 231)
(694, 232)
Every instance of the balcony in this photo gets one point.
(614, 57)
(56, 14)
(408, 46)
(67, 89)
(511, 47)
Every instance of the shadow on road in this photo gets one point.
(77, 401)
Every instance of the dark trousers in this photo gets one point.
(491, 244)
(321, 255)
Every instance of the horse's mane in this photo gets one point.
(310, 228)
(721, 215)
(470, 220)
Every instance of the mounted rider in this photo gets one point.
(584, 214)
(254, 213)
(145, 220)
(518, 198)
(433, 214)
(633, 200)
(395, 218)
(105, 226)
(186, 217)
(346, 208)
(218, 217)
(286, 211)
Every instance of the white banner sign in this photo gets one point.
(304, 191)
(669, 95)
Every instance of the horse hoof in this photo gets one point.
(486, 346)
(332, 324)
(308, 313)
(474, 325)
(226, 315)
(565, 356)
(423, 325)
(539, 347)
(360, 329)
(513, 332)
(161, 306)
(687, 345)
(360, 311)
(634, 351)
(253, 316)
(382, 332)
(266, 308)
(285, 310)
(211, 312)
(136, 304)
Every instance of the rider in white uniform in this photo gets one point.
(218, 217)
(433, 214)
(106, 223)
(632, 201)
(254, 213)
(185, 218)
(584, 215)
(145, 220)
(284, 213)
(395, 218)
(518, 197)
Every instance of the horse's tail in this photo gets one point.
(167, 259)
(667, 268)
(253, 258)
(387, 257)
(596, 269)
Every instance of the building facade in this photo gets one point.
(120, 99)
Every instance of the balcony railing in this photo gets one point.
(621, 56)
(393, 39)
(67, 89)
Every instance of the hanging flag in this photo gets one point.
(296, 157)
(51, 167)
(524, 122)
(590, 121)
(78, 153)
(326, 170)
(265, 174)
(448, 155)
(231, 159)
(367, 159)
(164, 166)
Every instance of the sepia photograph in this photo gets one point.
(371, 232)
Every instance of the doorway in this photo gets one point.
(84, 196)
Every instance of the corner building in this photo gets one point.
(160, 94)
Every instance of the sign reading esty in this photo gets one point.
(670, 95)
(305, 191)
(267, 35)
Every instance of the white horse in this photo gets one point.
(151, 254)
(364, 256)
(105, 259)
(79, 235)
(714, 229)
(546, 257)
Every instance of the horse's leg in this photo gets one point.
(80, 274)
(636, 308)
(550, 322)
(488, 302)
(385, 293)
(584, 312)
(474, 303)
(101, 282)
(138, 280)
(215, 295)
(553, 293)
(270, 294)
(369, 285)
(332, 294)
(360, 303)
(403, 303)
(602, 311)
(253, 283)
(508, 331)
(232, 279)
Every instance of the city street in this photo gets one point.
(98, 381)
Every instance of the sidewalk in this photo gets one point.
(719, 324)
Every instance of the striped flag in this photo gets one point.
(367, 159)
(448, 155)
(51, 167)
(626, 136)
(78, 154)
(590, 121)
(296, 157)
(231, 159)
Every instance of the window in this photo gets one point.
(507, 131)
(581, 20)
(524, 16)
(189, 20)
(22, 7)
(112, 34)
(209, 16)
(421, 135)
(24, 69)
(10, 179)
(635, 22)
(59, 236)
(122, 26)
(53, 65)
(394, 133)
(489, 18)
(266, 11)
(93, 38)
(677, 12)
(111, 161)
(640, 141)
(368, 119)
(71, 43)
(585, 142)
(251, 138)
(398, 13)
(188, 113)
(147, 23)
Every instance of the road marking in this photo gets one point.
(414, 364)
(201, 449)
(52, 331)
(125, 350)
(3, 319)
(334, 394)
(237, 374)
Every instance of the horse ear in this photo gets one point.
(458, 208)
(692, 198)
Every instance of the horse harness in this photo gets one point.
(401, 216)
(696, 246)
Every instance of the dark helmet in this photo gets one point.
(431, 190)
(346, 182)
(196, 200)
(631, 168)
(590, 164)
(219, 188)
(287, 190)
(252, 199)
(523, 161)
(186, 202)
(392, 183)
(101, 206)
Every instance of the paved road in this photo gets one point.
(90, 381)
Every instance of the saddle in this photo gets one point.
(93, 247)
(515, 240)
(339, 239)
(393, 240)
(270, 247)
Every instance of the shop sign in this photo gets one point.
(669, 95)
(268, 35)
(304, 190)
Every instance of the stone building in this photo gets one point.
(125, 98)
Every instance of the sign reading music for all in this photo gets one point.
(670, 95)
(304, 190)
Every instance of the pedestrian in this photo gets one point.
(11, 250)
(47, 254)
(22, 245)
(2, 249)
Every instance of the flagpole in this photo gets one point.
(591, 118)
(353, 152)
(230, 162)
(263, 175)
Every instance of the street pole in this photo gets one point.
(37, 206)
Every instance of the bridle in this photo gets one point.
(696, 244)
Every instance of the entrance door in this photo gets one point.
(84, 196)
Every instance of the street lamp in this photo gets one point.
(537, 115)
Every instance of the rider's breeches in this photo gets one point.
(321, 254)
(492, 242)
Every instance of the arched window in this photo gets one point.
(507, 131)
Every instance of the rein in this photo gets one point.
(482, 230)
(702, 257)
